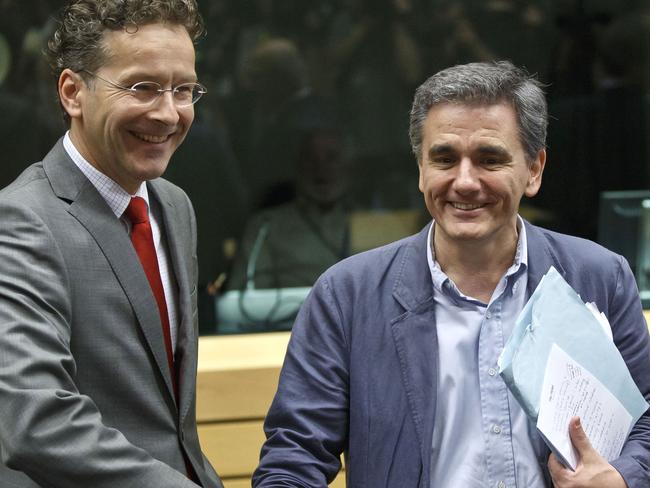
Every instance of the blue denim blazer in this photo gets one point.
(359, 376)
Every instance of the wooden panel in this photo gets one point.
(238, 375)
(243, 351)
(339, 482)
(237, 378)
(369, 229)
(237, 483)
(646, 314)
(236, 394)
(233, 448)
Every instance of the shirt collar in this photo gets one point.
(520, 262)
(115, 196)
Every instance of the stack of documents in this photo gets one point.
(560, 362)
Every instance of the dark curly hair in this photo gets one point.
(77, 42)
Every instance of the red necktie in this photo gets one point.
(142, 239)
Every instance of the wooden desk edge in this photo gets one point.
(253, 351)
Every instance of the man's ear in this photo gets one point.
(71, 92)
(536, 168)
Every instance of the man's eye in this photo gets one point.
(492, 161)
(145, 87)
(443, 160)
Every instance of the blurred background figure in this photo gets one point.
(286, 247)
(376, 62)
(291, 244)
(277, 104)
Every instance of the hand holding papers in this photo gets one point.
(570, 390)
(555, 314)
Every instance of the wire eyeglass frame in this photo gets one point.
(146, 92)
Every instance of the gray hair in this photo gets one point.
(485, 84)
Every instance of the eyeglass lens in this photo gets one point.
(185, 94)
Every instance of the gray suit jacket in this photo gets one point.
(86, 396)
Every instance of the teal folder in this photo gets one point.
(555, 313)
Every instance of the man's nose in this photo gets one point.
(467, 176)
(164, 109)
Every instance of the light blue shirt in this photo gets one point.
(481, 435)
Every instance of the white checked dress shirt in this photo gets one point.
(118, 199)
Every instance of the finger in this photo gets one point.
(554, 465)
(580, 440)
(557, 470)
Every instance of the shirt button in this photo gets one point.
(492, 371)
(496, 429)
(501, 484)
(514, 289)
(488, 315)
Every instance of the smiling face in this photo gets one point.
(473, 173)
(124, 139)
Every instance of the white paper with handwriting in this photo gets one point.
(570, 390)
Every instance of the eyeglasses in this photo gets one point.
(146, 92)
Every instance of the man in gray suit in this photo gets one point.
(98, 345)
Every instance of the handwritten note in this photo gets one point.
(570, 390)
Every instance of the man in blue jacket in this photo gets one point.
(393, 357)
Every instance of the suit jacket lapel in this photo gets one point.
(186, 347)
(541, 256)
(416, 342)
(90, 209)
